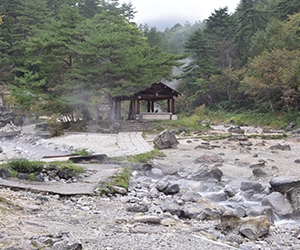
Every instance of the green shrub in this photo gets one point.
(32, 177)
(145, 157)
(23, 165)
(81, 152)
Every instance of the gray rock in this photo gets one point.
(23, 176)
(290, 126)
(236, 130)
(255, 227)
(245, 143)
(205, 172)
(161, 185)
(172, 206)
(191, 196)
(138, 209)
(154, 193)
(209, 158)
(261, 210)
(258, 165)
(119, 190)
(149, 219)
(257, 197)
(4, 173)
(238, 138)
(172, 189)
(39, 177)
(229, 222)
(251, 185)
(280, 147)
(296, 131)
(165, 139)
(146, 230)
(234, 238)
(192, 211)
(293, 196)
(229, 191)
(284, 183)
(210, 207)
(1, 150)
(216, 197)
(258, 172)
(156, 173)
(279, 204)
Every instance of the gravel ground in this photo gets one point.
(103, 223)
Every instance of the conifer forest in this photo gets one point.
(65, 56)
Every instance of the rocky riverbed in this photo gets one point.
(234, 193)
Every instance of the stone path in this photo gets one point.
(113, 145)
(97, 173)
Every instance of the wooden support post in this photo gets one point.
(152, 106)
(148, 106)
(138, 106)
(168, 104)
(133, 107)
(173, 105)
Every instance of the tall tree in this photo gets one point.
(219, 30)
(113, 58)
(250, 20)
(197, 74)
(287, 7)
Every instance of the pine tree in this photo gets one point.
(250, 20)
(219, 30)
(287, 7)
(198, 73)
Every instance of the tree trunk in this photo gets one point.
(86, 116)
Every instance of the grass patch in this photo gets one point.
(250, 117)
(81, 152)
(120, 179)
(5, 201)
(190, 123)
(23, 165)
(145, 157)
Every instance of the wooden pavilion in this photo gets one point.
(156, 92)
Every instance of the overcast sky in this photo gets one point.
(177, 11)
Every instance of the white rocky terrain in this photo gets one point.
(233, 193)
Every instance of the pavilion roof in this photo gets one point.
(156, 92)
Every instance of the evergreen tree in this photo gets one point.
(287, 7)
(219, 30)
(112, 58)
(250, 20)
(88, 8)
(197, 75)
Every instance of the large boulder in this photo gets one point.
(165, 139)
(280, 147)
(255, 227)
(4, 173)
(172, 206)
(211, 208)
(293, 196)
(236, 130)
(256, 211)
(206, 172)
(279, 204)
(192, 211)
(290, 126)
(251, 185)
(284, 183)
